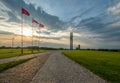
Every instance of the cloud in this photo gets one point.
(14, 15)
(80, 15)
(115, 10)
(89, 27)
(50, 21)
(115, 24)
(2, 18)
(6, 33)
(102, 28)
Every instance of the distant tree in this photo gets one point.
(2, 47)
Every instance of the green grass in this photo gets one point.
(7, 53)
(104, 64)
(8, 65)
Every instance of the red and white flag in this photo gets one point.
(24, 11)
(41, 25)
(34, 21)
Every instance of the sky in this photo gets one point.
(94, 23)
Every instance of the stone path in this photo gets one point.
(59, 69)
(21, 57)
(23, 73)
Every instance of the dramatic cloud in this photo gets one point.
(94, 23)
(115, 10)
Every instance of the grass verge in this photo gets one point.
(8, 65)
(104, 64)
(7, 53)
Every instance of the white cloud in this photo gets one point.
(115, 10)
(14, 27)
(3, 10)
(63, 41)
(114, 25)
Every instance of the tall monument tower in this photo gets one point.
(71, 40)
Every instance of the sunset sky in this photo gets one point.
(95, 23)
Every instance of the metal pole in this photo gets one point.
(22, 36)
(39, 39)
(32, 36)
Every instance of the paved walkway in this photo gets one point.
(59, 69)
(22, 57)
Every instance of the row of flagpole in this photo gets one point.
(25, 12)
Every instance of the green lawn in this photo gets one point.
(7, 53)
(8, 65)
(104, 64)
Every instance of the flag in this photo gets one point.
(23, 11)
(41, 25)
(34, 21)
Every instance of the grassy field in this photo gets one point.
(8, 65)
(104, 64)
(7, 53)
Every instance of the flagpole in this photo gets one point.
(23, 11)
(32, 36)
(22, 35)
(39, 39)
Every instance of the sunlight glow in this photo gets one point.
(27, 32)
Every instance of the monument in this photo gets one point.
(71, 40)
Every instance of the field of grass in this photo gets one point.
(8, 65)
(7, 53)
(104, 64)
